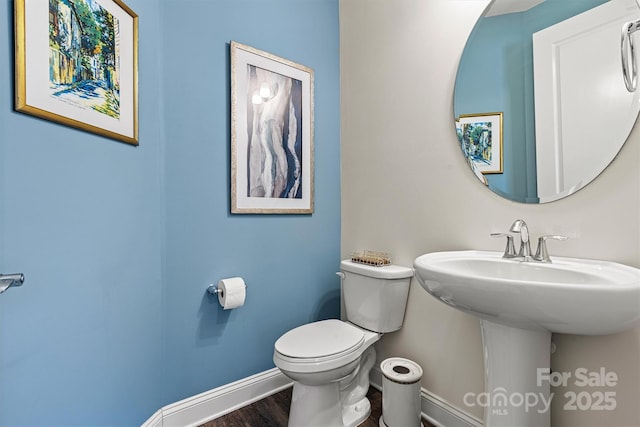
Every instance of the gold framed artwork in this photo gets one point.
(480, 136)
(76, 63)
(271, 133)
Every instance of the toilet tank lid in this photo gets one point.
(384, 272)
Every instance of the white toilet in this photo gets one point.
(330, 360)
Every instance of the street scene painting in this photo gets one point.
(272, 133)
(480, 137)
(84, 55)
(76, 64)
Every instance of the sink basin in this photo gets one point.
(569, 295)
(519, 305)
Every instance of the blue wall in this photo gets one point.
(491, 79)
(80, 342)
(118, 243)
(288, 262)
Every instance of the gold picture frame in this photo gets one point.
(76, 63)
(271, 133)
(481, 140)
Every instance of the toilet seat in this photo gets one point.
(319, 346)
(319, 339)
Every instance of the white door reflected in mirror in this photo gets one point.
(571, 99)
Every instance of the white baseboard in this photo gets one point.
(212, 404)
(435, 409)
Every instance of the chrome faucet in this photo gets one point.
(524, 254)
(519, 226)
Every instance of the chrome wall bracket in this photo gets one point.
(10, 280)
(213, 290)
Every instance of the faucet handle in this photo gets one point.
(510, 249)
(542, 254)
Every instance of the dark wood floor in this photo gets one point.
(273, 411)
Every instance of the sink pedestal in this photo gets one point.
(517, 362)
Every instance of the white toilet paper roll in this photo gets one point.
(232, 292)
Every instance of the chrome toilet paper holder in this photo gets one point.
(231, 292)
(213, 290)
(10, 281)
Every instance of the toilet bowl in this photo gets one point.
(330, 360)
(324, 359)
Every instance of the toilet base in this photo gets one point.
(339, 403)
(355, 406)
(315, 406)
(320, 406)
(354, 415)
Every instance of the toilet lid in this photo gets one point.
(319, 339)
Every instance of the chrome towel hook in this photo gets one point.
(628, 54)
(9, 280)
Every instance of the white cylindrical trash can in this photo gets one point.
(400, 393)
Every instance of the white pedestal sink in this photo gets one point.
(520, 304)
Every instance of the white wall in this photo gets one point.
(406, 189)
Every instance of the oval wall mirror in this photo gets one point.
(540, 102)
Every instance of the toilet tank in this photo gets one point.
(375, 298)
